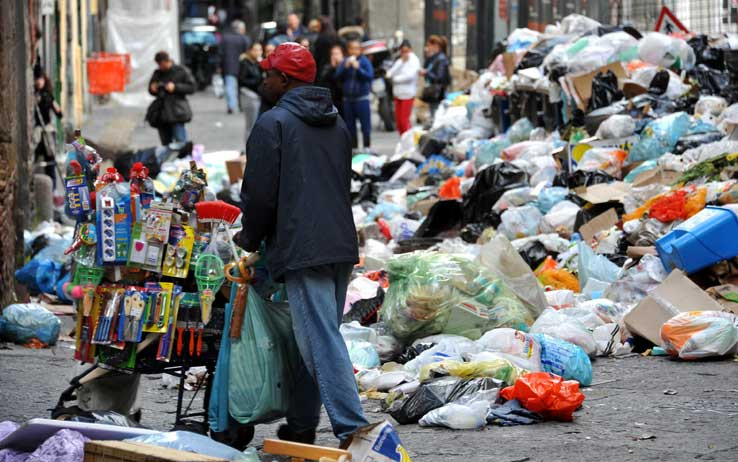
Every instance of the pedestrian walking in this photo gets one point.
(170, 111)
(249, 79)
(295, 28)
(356, 74)
(233, 44)
(327, 38)
(327, 77)
(44, 133)
(436, 72)
(296, 195)
(404, 76)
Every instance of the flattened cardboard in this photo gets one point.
(235, 169)
(656, 176)
(677, 294)
(726, 295)
(508, 59)
(604, 192)
(605, 220)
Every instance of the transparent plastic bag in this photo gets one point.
(191, 442)
(517, 347)
(488, 151)
(576, 24)
(22, 322)
(700, 334)
(513, 198)
(261, 363)
(363, 355)
(608, 160)
(500, 258)
(550, 197)
(665, 51)
(519, 222)
(458, 416)
(562, 326)
(564, 359)
(616, 126)
(561, 217)
(593, 266)
(420, 295)
(659, 137)
(500, 369)
(520, 130)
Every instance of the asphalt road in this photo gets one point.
(627, 416)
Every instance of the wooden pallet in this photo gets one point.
(302, 452)
(123, 451)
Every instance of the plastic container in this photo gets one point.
(701, 241)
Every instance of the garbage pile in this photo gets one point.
(577, 201)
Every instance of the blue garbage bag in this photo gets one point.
(25, 321)
(659, 137)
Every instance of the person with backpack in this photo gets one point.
(436, 72)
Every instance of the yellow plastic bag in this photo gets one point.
(500, 369)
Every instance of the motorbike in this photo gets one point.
(200, 50)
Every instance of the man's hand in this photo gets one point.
(422, 72)
(169, 87)
(154, 87)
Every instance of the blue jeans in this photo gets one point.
(231, 91)
(172, 132)
(358, 109)
(316, 297)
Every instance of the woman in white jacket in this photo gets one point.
(404, 75)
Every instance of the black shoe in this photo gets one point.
(285, 433)
(230, 111)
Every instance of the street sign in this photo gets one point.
(47, 7)
(668, 23)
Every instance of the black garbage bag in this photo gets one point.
(471, 232)
(390, 168)
(489, 185)
(692, 141)
(710, 81)
(366, 311)
(430, 395)
(512, 413)
(605, 90)
(534, 253)
(473, 386)
(659, 83)
(413, 351)
(443, 216)
(705, 54)
(581, 178)
(428, 145)
(367, 193)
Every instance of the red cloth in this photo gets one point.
(403, 110)
(292, 59)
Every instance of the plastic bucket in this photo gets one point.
(703, 240)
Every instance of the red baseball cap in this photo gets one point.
(292, 59)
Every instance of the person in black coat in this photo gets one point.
(327, 77)
(170, 84)
(249, 79)
(43, 130)
(296, 195)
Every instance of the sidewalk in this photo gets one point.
(211, 126)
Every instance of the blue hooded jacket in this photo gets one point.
(357, 83)
(296, 186)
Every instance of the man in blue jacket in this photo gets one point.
(356, 73)
(296, 195)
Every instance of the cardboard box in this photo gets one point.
(124, 451)
(601, 222)
(677, 294)
(581, 84)
(727, 296)
(656, 176)
(235, 169)
(604, 192)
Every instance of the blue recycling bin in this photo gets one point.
(705, 239)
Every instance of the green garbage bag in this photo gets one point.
(262, 363)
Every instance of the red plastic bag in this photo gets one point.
(547, 394)
(450, 189)
(670, 207)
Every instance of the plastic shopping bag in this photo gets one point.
(700, 334)
(218, 86)
(565, 359)
(546, 394)
(262, 363)
(561, 325)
